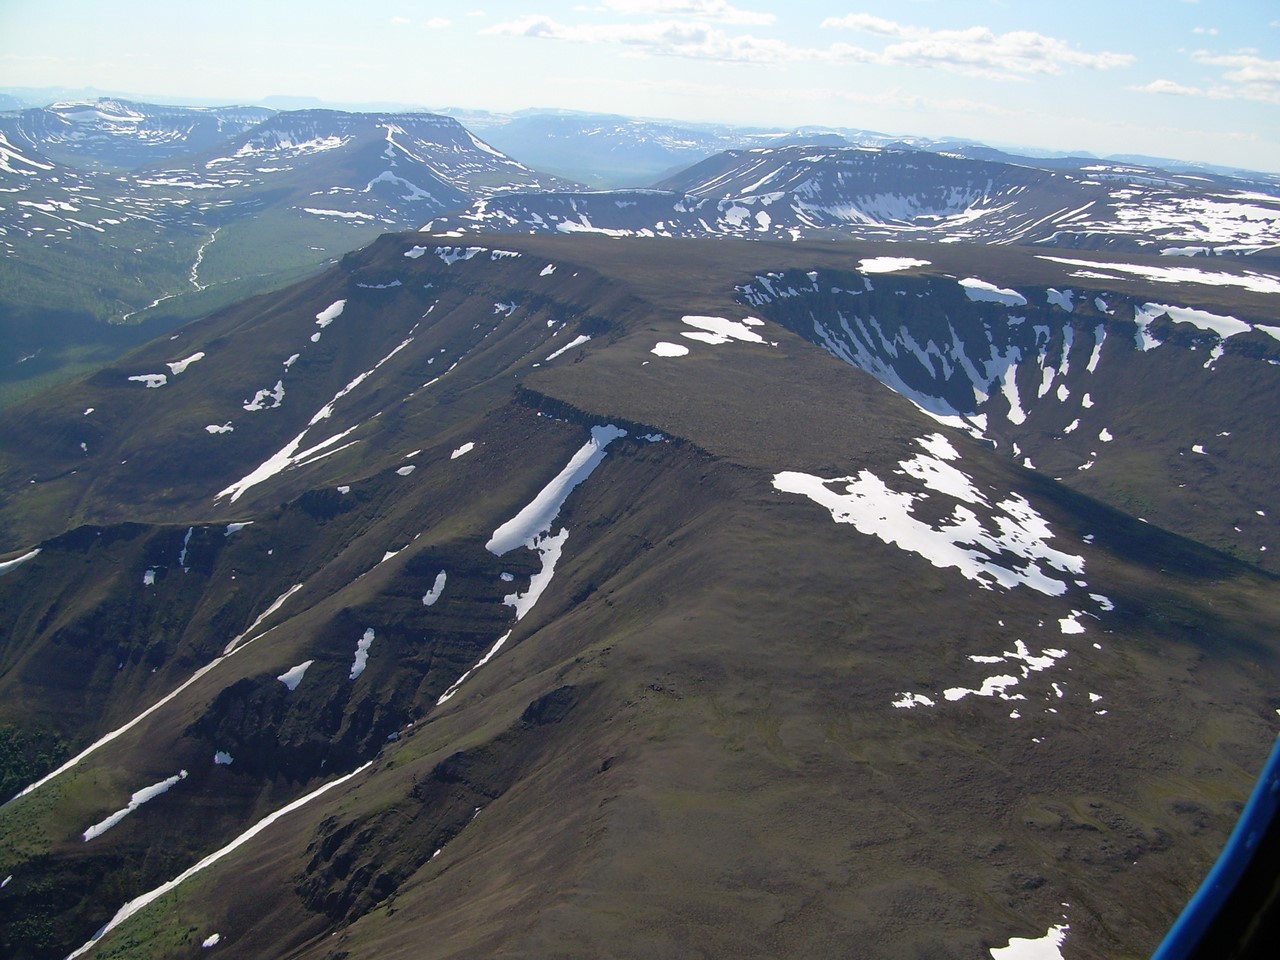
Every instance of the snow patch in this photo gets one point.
(178, 366)
(982, 291)
(293, 676)
(432, 595)
(362, 653)
(575, 342)
(664, 349)
(962, 541)
(330, 313)
(138, 799)
(16, 561)
(1047, 947)
(536, 518)
(889, 264)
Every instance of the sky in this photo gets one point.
(1189, 79)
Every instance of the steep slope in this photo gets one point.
(554, 598)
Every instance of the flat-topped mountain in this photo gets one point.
(564, 594)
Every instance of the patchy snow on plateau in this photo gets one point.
(451, 255)
(963, 541)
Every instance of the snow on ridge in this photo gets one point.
(451, 255)
(889, 264)
(259, 402)
(476, 666)
(289, 455)
(982, 291)
(233, 647)
(1257, 282)
(138, 799)
(1223, 326)
(463, 450)
(1024, 661)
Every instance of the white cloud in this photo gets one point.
(436, 23)
(1206, 31)
(976, 51)
(400, 21)
(1169, 87)
(718, 10)
(1249, 77)
(671, 38)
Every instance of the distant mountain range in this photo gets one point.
(881, 193)
(144, 216)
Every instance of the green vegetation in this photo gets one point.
(26, 756)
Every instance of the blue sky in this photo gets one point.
(1192, 79)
